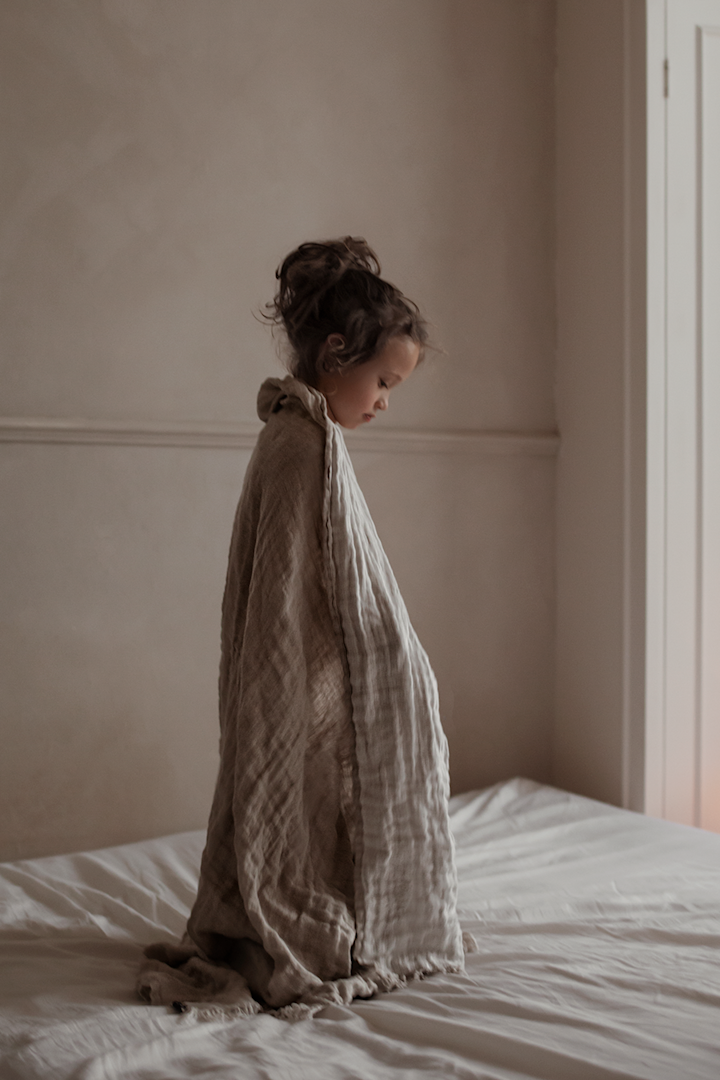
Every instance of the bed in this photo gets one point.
(597, 929)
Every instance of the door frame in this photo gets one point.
(677, 707)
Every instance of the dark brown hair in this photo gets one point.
(334, 287)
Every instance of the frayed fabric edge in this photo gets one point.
(213, 1012)
(204, 991)
(336, 992)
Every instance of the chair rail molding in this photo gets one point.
(242, 436)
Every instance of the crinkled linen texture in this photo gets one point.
(328, 872)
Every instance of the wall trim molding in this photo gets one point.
(399, 440)
(203, 435)
(242, 436)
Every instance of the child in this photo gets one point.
(328, 871)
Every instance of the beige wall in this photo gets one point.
(161, 158)
(601, 181)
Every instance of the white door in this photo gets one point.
(683, 608)
(709, 263)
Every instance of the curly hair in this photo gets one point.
(331, 288)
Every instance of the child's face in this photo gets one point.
(354, 396)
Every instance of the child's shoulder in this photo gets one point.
(291, 443)
(291, 428)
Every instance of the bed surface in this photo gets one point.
(598, 958)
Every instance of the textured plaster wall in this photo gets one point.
(160, 158)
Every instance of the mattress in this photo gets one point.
(597, 931)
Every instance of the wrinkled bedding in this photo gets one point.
(598, 933)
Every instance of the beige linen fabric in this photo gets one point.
(328, 871)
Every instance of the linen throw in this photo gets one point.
(328, 871)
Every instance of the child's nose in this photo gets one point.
(382, 403)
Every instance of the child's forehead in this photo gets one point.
(399, 356)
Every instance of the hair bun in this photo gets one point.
(312, 269)
(356, 252)
(321, 265)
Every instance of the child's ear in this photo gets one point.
(331, 352)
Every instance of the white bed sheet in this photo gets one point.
(598, 934)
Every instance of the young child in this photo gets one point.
(328, 871)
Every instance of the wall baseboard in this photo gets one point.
(242, 436)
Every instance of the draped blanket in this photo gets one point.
(328, 871)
